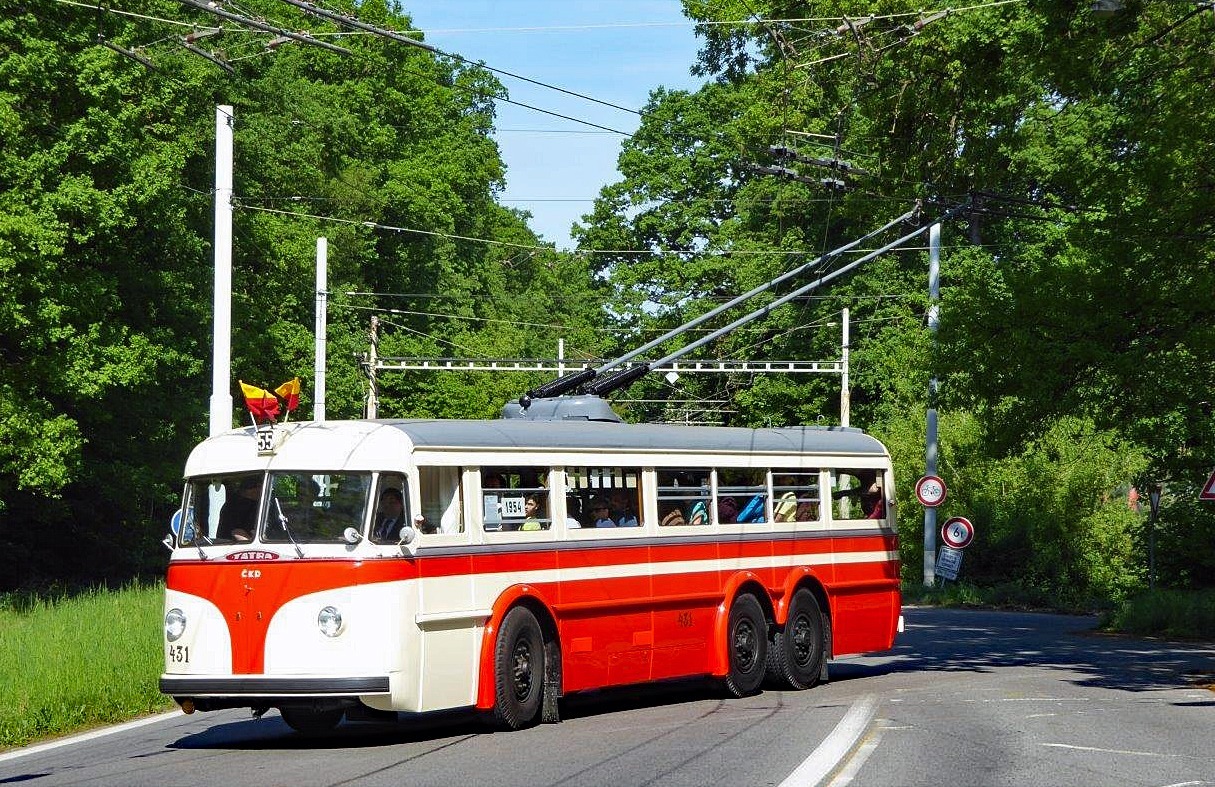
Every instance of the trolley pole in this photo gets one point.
(930, 436)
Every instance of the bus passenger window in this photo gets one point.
(515, 498)
(606, 496)
(683, 497)
(857, 494)
(440, 493)
(745, 490)
(795, 496)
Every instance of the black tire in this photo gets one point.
(795, 659)
(518, 670)
(311, 722)
(747, 643)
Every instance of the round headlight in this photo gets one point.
(175, 624)
(330, 621)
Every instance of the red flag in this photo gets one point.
(290, 391)
(260, 402)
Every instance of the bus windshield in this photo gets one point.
(314, 507)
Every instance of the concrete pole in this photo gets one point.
(322, 324)
(373, 358)
(930, 437)
(221, 338)
(845, 390)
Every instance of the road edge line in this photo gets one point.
(87, 736)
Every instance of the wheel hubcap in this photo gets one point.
(802, 641)
(744, 645)
(521, 673)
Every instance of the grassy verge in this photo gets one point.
(1173, 614)
(75, 662)
(1170, 614)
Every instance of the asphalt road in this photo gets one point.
(965, 698)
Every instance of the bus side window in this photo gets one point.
(857, 494)
(515, 498)
(606, 496)
(440, 493)
(795, 496)
(683, 497)
(747, 488)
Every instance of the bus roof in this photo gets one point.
(374, 444)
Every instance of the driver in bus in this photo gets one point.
(237, 518)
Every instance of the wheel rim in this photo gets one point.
(745, 645)
(802, 640)
(521, 672)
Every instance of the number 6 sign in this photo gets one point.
(957, 532)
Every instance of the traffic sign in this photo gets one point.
(949, 561)
(1208, 491)
(930, 491)
(957, 532)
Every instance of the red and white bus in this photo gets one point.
(540, 558)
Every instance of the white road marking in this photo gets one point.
(827, 756)
(1184, 784)
(1108, 751)
(853, 766)
(90, 735)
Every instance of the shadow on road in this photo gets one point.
(958, 640)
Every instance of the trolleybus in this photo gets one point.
(524, 559)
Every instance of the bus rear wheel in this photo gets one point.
(747, 643)
(518, 670)
(307, 721)
(796, 657)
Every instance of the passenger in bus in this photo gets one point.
(785, 507)
(573, 509)
(869, 492)
(698, 513)
(727, 510)
(391, 515)
(531, 513)
(670, 516)
(623, 509)
(238, 517)
(753, 511)
(600, 513)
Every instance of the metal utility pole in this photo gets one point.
(373, 395)
(221, 338)
(930, 437)
(845, 391)
(322, 324)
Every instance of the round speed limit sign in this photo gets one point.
(930, 491)
(957, 532)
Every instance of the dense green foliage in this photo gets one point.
(81, 661)
(1076, 335)
(1076, 325)
(106, 220)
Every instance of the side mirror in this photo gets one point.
(351, 536)
(168, 541)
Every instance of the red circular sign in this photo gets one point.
(930, 491)
(957, 532)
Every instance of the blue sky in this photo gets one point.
(613, 50)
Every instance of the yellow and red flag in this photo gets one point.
(290, 391)
(260, 402)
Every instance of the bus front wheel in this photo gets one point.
(518, 670)
(796, 657)
(747, 642)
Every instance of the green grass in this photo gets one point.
(73, 662)
(1173, 614)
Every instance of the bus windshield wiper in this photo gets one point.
(282, 521)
